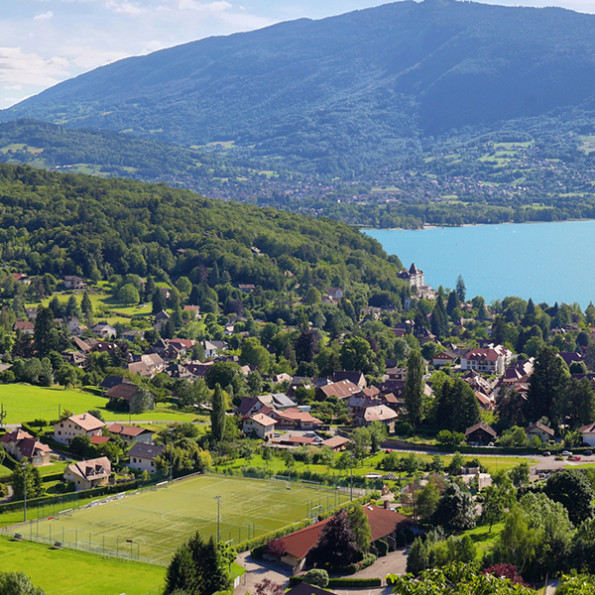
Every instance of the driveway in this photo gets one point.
(257, 570)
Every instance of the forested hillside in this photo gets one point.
(345, 93)
(74, 224)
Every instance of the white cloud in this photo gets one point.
(206, 7)
(21, 68)
(43, 16)
(124, 7)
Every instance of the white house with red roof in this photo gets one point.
(486, 360)
(260, 425)
(77, 425)
(295, 419)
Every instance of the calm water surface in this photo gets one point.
(548, 262)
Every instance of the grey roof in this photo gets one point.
(282, 400)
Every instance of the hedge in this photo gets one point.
(342, 582)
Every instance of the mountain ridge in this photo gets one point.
(339, 94)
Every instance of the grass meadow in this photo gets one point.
(69, 572)
(150, 525)
(23, 402)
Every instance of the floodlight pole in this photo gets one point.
(218, 498)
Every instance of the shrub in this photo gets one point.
(381, 548)
(317, 577)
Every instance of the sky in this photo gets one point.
(43, 42)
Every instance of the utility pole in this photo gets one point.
(218, 498)
(351, 475)
(25, 489)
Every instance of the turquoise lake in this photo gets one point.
(549, 262)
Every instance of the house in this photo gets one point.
(277, 401)
(380, 413)
(147, 364)
(384, 523)
(480, 433)
(125, 396)
(341, 390)
(295, 419)
(248, 406)
(246, 287)
(83, 424)
(443, 358)
(131, 434)
(490, 360)
(144, 456)
(89, 474)
(104, 330)
(111, 381)
(21, 444)
(588, 433)
(73, 282)
(260, 425)
(541, 431)
(178, 371)
(22, 278)
(357, 378)
(161, 320)
(84, 346)
(25, 326)
(336, 443)
(182, 345)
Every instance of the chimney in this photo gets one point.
(386, 505)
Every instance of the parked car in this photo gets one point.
(566, 453)
(546, 453)
(588, 453)
(575, 458)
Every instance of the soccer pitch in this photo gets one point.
(150, 525)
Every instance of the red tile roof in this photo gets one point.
(342, 389)
(382, 523)
(484, 355)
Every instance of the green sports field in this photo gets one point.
(149, 526)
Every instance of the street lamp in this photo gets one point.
(218, 498)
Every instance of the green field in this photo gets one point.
(150, 525)
(23, 402)
(67, 572)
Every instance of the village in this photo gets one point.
(357, 428)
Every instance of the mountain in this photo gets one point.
(342, 94)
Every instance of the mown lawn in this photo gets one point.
(370, 465)
(23, 402)
(69, 572)
(483, 538)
